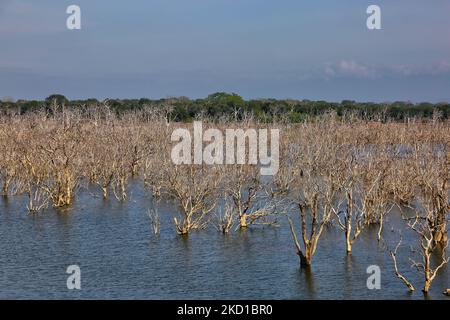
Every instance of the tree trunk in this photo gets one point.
(243, 220)
(380, 228)
(5, 188)
(305, 260)
(348, 245)
(105, 192)
(426, 286)
(427, 271)
(440, 235)
(348, 227)
(122, 188)
(182, 228)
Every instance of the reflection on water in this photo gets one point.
(308, 279)
(121, 258)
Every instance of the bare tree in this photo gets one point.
(194, 189)
(226, 218)
(248, 195)
(155, 221)
(427, 244)
(313, 190)
(393, 254)
(351, 218)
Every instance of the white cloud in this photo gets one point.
(350, 68)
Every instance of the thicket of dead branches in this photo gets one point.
(336, 171)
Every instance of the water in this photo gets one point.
(120, 258)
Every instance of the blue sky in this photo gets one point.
(318, 50)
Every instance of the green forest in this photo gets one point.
(231, 106)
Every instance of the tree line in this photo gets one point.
(223, 105)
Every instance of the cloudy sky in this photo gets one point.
(271, 48)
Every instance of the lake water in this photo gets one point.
(120, 257)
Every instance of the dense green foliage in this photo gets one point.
(232, 106)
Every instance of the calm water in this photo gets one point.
(121, 258)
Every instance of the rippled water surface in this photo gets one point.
(121, 258)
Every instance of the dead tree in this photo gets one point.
(425, 230)
(393, 254)
(312, 217)
(313, 190)
(194, 190)
(248, 196)
(226, 219)
(351, 217)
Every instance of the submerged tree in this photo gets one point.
(393, 254)
(428, 246)
(194, 190)
(248, 196)
(313, 188)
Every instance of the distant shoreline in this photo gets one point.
(229, 105)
